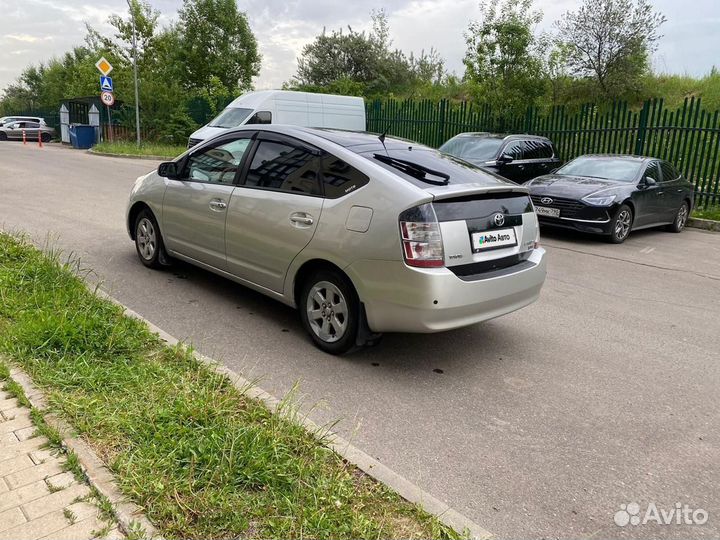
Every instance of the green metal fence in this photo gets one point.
(688, 136)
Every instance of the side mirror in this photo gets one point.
(649, 182)
(168, 169)
(505, 159)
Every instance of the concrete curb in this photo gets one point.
(705, 224)
(128, 156)
(97, 474)
(366, 463)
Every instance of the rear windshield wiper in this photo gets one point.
(415, 170)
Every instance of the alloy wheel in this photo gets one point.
(681, 218)
(146, 239)
(327, 311)
(622, 224)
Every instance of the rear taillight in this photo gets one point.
(421, 239)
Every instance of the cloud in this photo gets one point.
(40, 29)
(28, 38)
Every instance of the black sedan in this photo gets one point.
(612, 195)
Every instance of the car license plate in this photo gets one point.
(545, 211)
(493, 239)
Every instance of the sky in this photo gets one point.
(35, 30)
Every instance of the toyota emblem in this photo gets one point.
(499, 220)
(546, 200)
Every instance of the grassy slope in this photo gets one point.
(145, 149)
(712, 212)
(201, 458)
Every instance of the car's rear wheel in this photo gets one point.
(148, 241)
(681, 218)
(3, 136)
(46, 137)
(329, 309)
(621, 225)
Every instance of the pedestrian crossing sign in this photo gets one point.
(106, 84)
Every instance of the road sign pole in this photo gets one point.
(137, 99)
(110, 128)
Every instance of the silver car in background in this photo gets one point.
(363, 234)
(33, 131)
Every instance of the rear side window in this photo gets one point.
(284, 167)
(536, 149)
(339, 178)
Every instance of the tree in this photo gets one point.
(611, 41)
(364, 63)
(502, 58)
(216, 40)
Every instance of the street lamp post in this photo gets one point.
(135, 71)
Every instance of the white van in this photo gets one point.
(286, 107)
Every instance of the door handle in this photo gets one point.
(217, 204)
(301, 218)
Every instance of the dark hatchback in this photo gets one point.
(516, 157)
(612, 195)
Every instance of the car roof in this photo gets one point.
(626, 157)
(513, 136)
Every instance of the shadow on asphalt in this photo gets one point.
(429, 353)
(586, 239)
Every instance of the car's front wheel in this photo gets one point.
(148, 241)
(681, 218)
(329, 309)
(621, 224)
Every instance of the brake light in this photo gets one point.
(420, 236)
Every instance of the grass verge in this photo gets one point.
(201, 458)
(126, 148)
(711, 212)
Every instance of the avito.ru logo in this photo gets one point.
(680, 514)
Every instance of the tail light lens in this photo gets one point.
(421, 239)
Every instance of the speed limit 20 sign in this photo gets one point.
(107, 98)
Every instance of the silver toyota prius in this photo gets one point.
(363, 234)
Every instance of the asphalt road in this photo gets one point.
(538, 424)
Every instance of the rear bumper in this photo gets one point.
(399, 298)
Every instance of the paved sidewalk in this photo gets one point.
(38, 499)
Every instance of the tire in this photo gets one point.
(46, 137)
(681, 218)
(621, 225)
(3, 136)
(330, 311)
(148, 241)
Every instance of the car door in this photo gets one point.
(515, 169)
(14, 130)
(195, 204)
(274, 211)
(649, 200)
(674, 190)
(32, 131)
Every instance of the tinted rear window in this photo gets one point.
(460, 172)
(482, 206)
